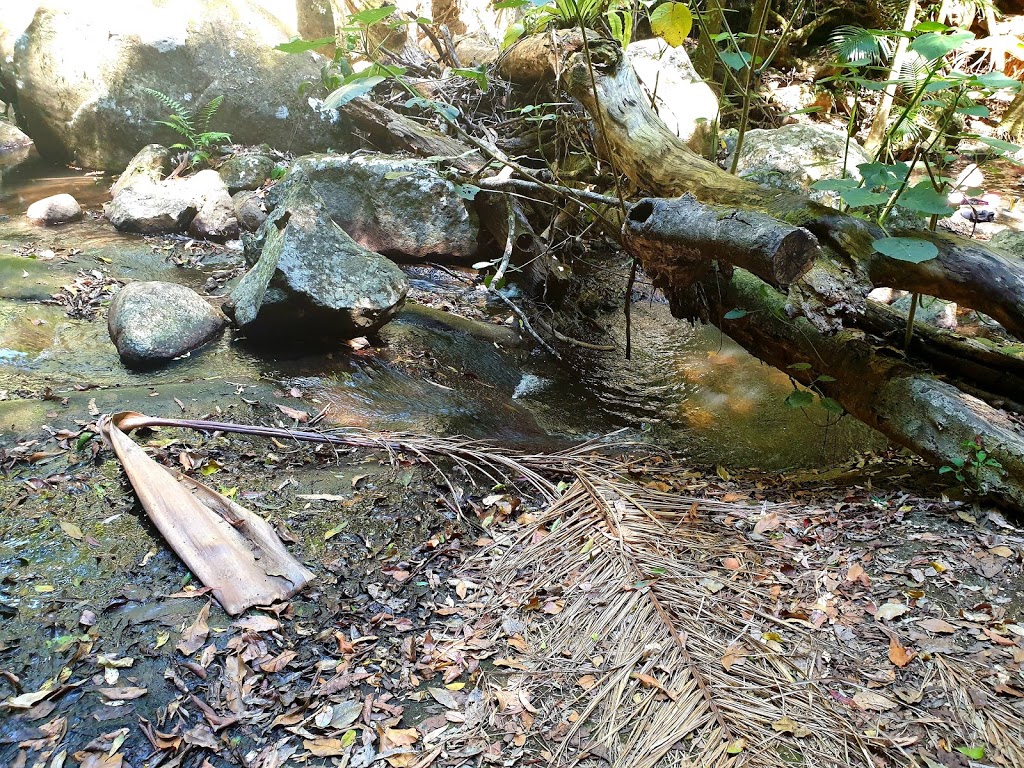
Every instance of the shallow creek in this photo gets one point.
(689, 389)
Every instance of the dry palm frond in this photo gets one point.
(666, 656)
(472, 456)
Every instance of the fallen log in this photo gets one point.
(881, 387)
(630, 135)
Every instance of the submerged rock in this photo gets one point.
(400, 207)
(313, 281)
(153, 322)
(58, 209)
(246, 171)
(81, 72)
(685, 103)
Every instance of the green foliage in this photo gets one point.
(967, 469)
(803, 398)
(197, 140)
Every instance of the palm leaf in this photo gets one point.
(851, 44)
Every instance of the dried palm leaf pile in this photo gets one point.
(644, 629)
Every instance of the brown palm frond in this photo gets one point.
(665, 656)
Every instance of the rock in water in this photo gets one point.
(155, 322)
(58, 209)
(199, 203)
(397, 206)
(81, 69)
(12, 139)
(312, 281)
(215, 218)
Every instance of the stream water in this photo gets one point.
(689, 389)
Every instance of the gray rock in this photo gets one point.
(97, 113)
(937, 313)
(400, 207)
(153, 208)
(793, 157)
(200, 204)
(58, 209)
(11, 138)
(312, 280)
(1010, 242)
(151, 164)
(249, 210)
(685, 103)
(154, 322)
(215, 219)
(246, 171)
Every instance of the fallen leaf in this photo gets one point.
(898, 654)
(734, 654)
(293, 413)
(1002, 551)
(192, 639)
(785, 725)
(890, 611)
(122, 694)
(938, 626)
(258, 623)
(444, 697)
(587, 682)
(72, 530)
(873, 701)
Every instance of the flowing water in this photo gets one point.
(690, 389)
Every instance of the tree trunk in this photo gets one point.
(315, 21)
(881, 120)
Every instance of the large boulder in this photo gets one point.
(151, 164)
(154, 322)
(313, 281)
(685, 103)
(215, 211)
(400, 207)
(793, 157)
(81, 75)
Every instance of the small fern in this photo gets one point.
(198, 141)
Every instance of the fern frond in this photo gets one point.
(175, 106)
(176, 124)
(208, 111)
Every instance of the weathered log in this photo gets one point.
(638, 144)
(878, 386)
(679, 238)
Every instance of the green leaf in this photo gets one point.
(799, 366)
(835, 185)
(975, 753)
(974, 110)
(911, 249)
(1003, 146)
(510, 4)
(371, 16)
(735, 61)
(800, 398)
(862, 198)
(832, 406)
(735, 314)
(349, 91)
(930, 26)
(672, 22)
(478, 74)
(825, 378)
(935, 45)
(513, 33)
(922, 197)
(944, 470)
(997, 80)
(298, 45)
